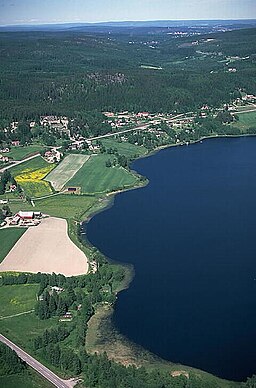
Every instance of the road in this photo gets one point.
(244, 111)
(19, 162)
(40, 368)
(142, 127)
(119, 133)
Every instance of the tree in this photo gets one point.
(23, 133)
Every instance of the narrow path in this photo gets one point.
(17, 315)
(47, 196)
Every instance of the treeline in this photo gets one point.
(6, 178)
(10, 363)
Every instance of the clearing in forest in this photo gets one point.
(66, 170)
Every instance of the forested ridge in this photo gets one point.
(65, 73)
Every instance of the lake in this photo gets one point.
(191, 236)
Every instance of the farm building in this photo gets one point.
(29, 215)
(25, 215)
(15, 220)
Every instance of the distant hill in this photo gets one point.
(207, 24)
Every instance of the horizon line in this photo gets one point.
(31, 24)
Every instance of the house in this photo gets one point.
(5, 150)
(32, 124)
(15, 143)
(15, 220)
(49, 120)
(232, 70)
(143, 114)
(4, 159)
(66, 317)
(13, 188)
(14, 125)
(56, 289)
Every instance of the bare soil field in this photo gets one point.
(46, 248)
(66, 170)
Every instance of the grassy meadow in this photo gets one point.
(19, 153)
(246, 120)
(8, 238)
(27, 379)
(23, 329)
(62, 205)
(95, 178)
(17, 299)
(124, 148)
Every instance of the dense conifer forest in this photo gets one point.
(69, 74)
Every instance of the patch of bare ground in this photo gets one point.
(46, 248)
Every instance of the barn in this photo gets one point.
(26, 215)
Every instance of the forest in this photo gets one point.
(74, 73)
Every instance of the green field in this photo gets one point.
(8, 238)
(125, 148)
(246, 120)
(64, 206)
(36, 189)
(28, 379)
(30, 165)
(19, 153)
(23, 329)
(66, 170)
(94, 177)
(17, 299)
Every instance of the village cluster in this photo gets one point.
(123, 123)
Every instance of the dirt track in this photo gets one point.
(46, 248)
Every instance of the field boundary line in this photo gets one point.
(17, 315)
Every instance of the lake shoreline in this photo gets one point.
(108, 202)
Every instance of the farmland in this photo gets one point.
(94, 177)
(8, 238)
(19, 153)
(46, 249)
(15, 328)
(246, 120)
(30, 165)
(66, 170)
(16, 299)
(124, 148)
(64, 206)
(32, 181)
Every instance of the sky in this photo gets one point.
(59, 11)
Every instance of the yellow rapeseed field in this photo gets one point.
(29, 175)
(32, 181)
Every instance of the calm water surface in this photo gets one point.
(191, 236)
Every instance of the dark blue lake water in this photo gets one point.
(191, 236)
